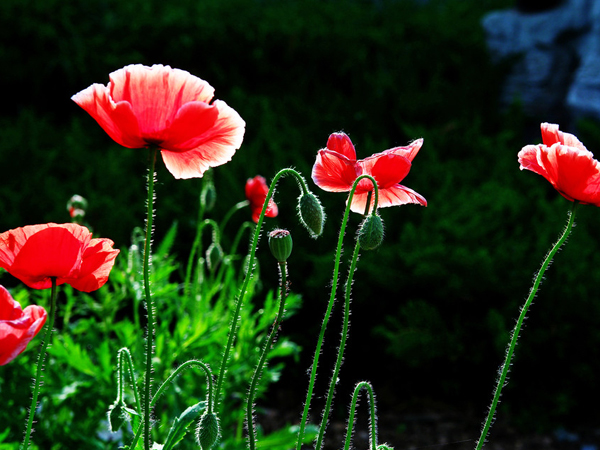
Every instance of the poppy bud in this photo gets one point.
(370, 233)
(208, 196)
(312, 214)
(214, 256)
(207, 431)
(76, 207)
(280, 243)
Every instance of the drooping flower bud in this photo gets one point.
(280, 243)
(214, 256)
(312, 214)
(370, 233)
(208, 196)
(207, 432)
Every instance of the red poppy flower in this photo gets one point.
(256, 193)
(336, 170)
(17, 326)
(167, 108)
(565, 163)
(36, 253)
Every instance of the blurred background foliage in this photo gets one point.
(433, 307)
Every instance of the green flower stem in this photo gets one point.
(176, 372)
(363, 385)
(238, 237)
(515, 334)
(336, 267)
(340, 357)
(233, 327)
(40, 365)
(197, 249)
(263, 357)
(231, 212)
(149, 303)
(126, 363)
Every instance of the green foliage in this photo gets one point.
(79, 380)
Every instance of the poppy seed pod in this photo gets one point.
(311, 213)
(207, 431)
(370, 233)
(280, 243)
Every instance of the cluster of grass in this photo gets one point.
(450, 278)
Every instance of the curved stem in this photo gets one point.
(360, 386)
(340, 357)
(231, 212)
(233, 327)
(176, 372)
(124, 355)
(263, 357)
(149, 303)
(40, 365)
(515, 334)
(336, 267)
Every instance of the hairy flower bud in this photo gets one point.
(370, 233)
(214, 256)
(207, 432)
(312, 214)
(208, 196)
(280, 243)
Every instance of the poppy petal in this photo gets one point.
(97, 262)
(387, 169)
(333, 171)
(552, 135)
(391, 196)
(409, 152)
(216, 146)
(116, 119)
(341, 143)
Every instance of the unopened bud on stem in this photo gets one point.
(312, 214)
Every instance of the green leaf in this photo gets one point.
(180, 425)
(285, 438)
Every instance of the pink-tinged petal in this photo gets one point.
(333, 171)
(189, 128)
(387, 169)
(409, 152)
(529, 159)
(341, 143)
(97, 262)
(552, 135)
(117, 119)
(391, 196)
(573, 172)
(157, 93)
(216, 146)
(17, 326)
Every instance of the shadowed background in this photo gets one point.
(433, 307)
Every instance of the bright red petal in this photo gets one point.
(215, 146)
(409, 152)
(333, 171)
(341, 143)
(391, 196)
(387, 169)
(552, 135)
(157, 93)
(18, 327)
(97, 262)
(117, 119)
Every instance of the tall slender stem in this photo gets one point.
(149, 303)
(263, 357)
(373, 420)
(340, 357)
(336, 267)
(40, 364)
(233, 327)
(515, 334)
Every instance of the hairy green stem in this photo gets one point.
(515, 334)
(263, 357)
(40, 365)
(363, 385)
(336, 267)
(233, 327)
(123, 357)
(340, 357)
(149, 303)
